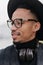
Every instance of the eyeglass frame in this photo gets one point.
(22, 21)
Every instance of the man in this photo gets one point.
(26, 25)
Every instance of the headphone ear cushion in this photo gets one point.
(29, 54)
(22, 54)
(26, 54)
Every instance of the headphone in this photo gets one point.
(26, 54)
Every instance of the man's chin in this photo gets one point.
(16, 41)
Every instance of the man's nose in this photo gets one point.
(13, 27)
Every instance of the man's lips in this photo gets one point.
(15, 33)
(14, 36)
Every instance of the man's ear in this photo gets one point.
(36, 26)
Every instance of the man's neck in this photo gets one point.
(29, 44)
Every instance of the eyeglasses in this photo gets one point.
(18, 22)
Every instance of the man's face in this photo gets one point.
(27, 31)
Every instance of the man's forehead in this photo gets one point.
(23, 13)
(22, 10)
(20, 13)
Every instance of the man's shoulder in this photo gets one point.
(8, 55)
(40, 48)
(40, 54)
(6, 50)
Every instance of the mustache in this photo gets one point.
(15, 32)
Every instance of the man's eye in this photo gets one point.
(18, 23)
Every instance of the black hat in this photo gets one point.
(34, 5)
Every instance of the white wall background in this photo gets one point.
(5, 37)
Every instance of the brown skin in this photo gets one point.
(28, 29)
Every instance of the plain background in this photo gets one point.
(5, 37)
